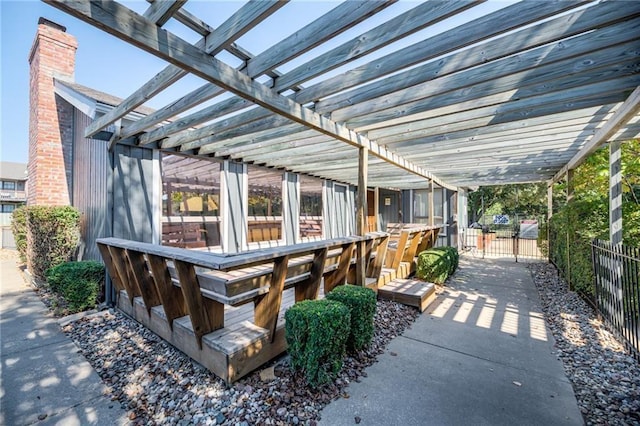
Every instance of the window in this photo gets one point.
(310, 207)
(8, 208)
(190, 201)
(265, 204)
(9, 185)
(422, 209)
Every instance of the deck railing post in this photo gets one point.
(361, 258)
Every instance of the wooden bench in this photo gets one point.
(184, 235)
(310, 227)
(200, 302)
(407, 241)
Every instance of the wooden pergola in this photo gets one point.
(518, 95)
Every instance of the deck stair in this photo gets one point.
(409, 291)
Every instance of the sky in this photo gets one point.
(106, 63)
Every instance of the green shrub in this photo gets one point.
(316, 332)
(361, 302)
(437, 264)
(79, 283)
(52, 236)
(19, 230)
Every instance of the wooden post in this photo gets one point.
(549, 215)
(569, 199)
(361, 261)
(615, 193)
(376, 207)
(432, 209)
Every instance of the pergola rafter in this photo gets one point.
(508, 97)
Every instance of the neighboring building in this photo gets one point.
(145, 194)
(13, 181)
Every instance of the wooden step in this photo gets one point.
(409, 292)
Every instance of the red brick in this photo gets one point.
(50, 117)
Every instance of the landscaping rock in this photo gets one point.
(605, 378)
(161, 385)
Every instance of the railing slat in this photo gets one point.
(617, 287)
(171, 296)
(143, 279)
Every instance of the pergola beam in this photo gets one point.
(160, 11)
(121, 22)
(492, 25)
(629, 108)
(338, 20)
(248, 16)
(401, 26)
(499, 50)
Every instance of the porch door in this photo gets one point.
(389, 208)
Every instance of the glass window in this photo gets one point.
(310, 207)
(190, 201)
(8, 208)
(9, 185)
(265, 204)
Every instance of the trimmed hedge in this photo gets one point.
(19, 230)
(316, 332)
(79, 283)
(361, 302)
(437, 264)
(52, 236)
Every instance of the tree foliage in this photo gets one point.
(586, 216)
(525, 200)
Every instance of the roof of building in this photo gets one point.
(102, 97)
(13, 171)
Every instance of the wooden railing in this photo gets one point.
(167, 288)
(407, 241)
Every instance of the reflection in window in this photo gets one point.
(421, 208)
(9, 185)
(190, 201)
(265, 204)
(310, 207)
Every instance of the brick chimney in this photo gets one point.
(50, 117)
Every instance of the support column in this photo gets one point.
(234, 207)
(361, 263)
(615, 193)
(432, 208)
(568, 236)
(549, 215)
(549, 200)
(376, 207)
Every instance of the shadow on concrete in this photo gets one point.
(44, 378)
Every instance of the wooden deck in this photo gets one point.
(231, 352)
(227, 311)
(409, 292)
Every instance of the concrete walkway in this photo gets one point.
(480, 355)
(43, 378)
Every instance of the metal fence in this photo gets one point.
(501, 243)
(617, 279)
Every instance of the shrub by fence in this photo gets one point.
(361, 302)
(52, 236)
(316, 332)
(437, 264)
(79, 283)
(19, 229)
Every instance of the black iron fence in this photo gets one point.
(617, 286)
(503, 242)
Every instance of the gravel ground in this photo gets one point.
(160, 385)
(606, 380)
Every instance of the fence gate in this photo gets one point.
(502, 236)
